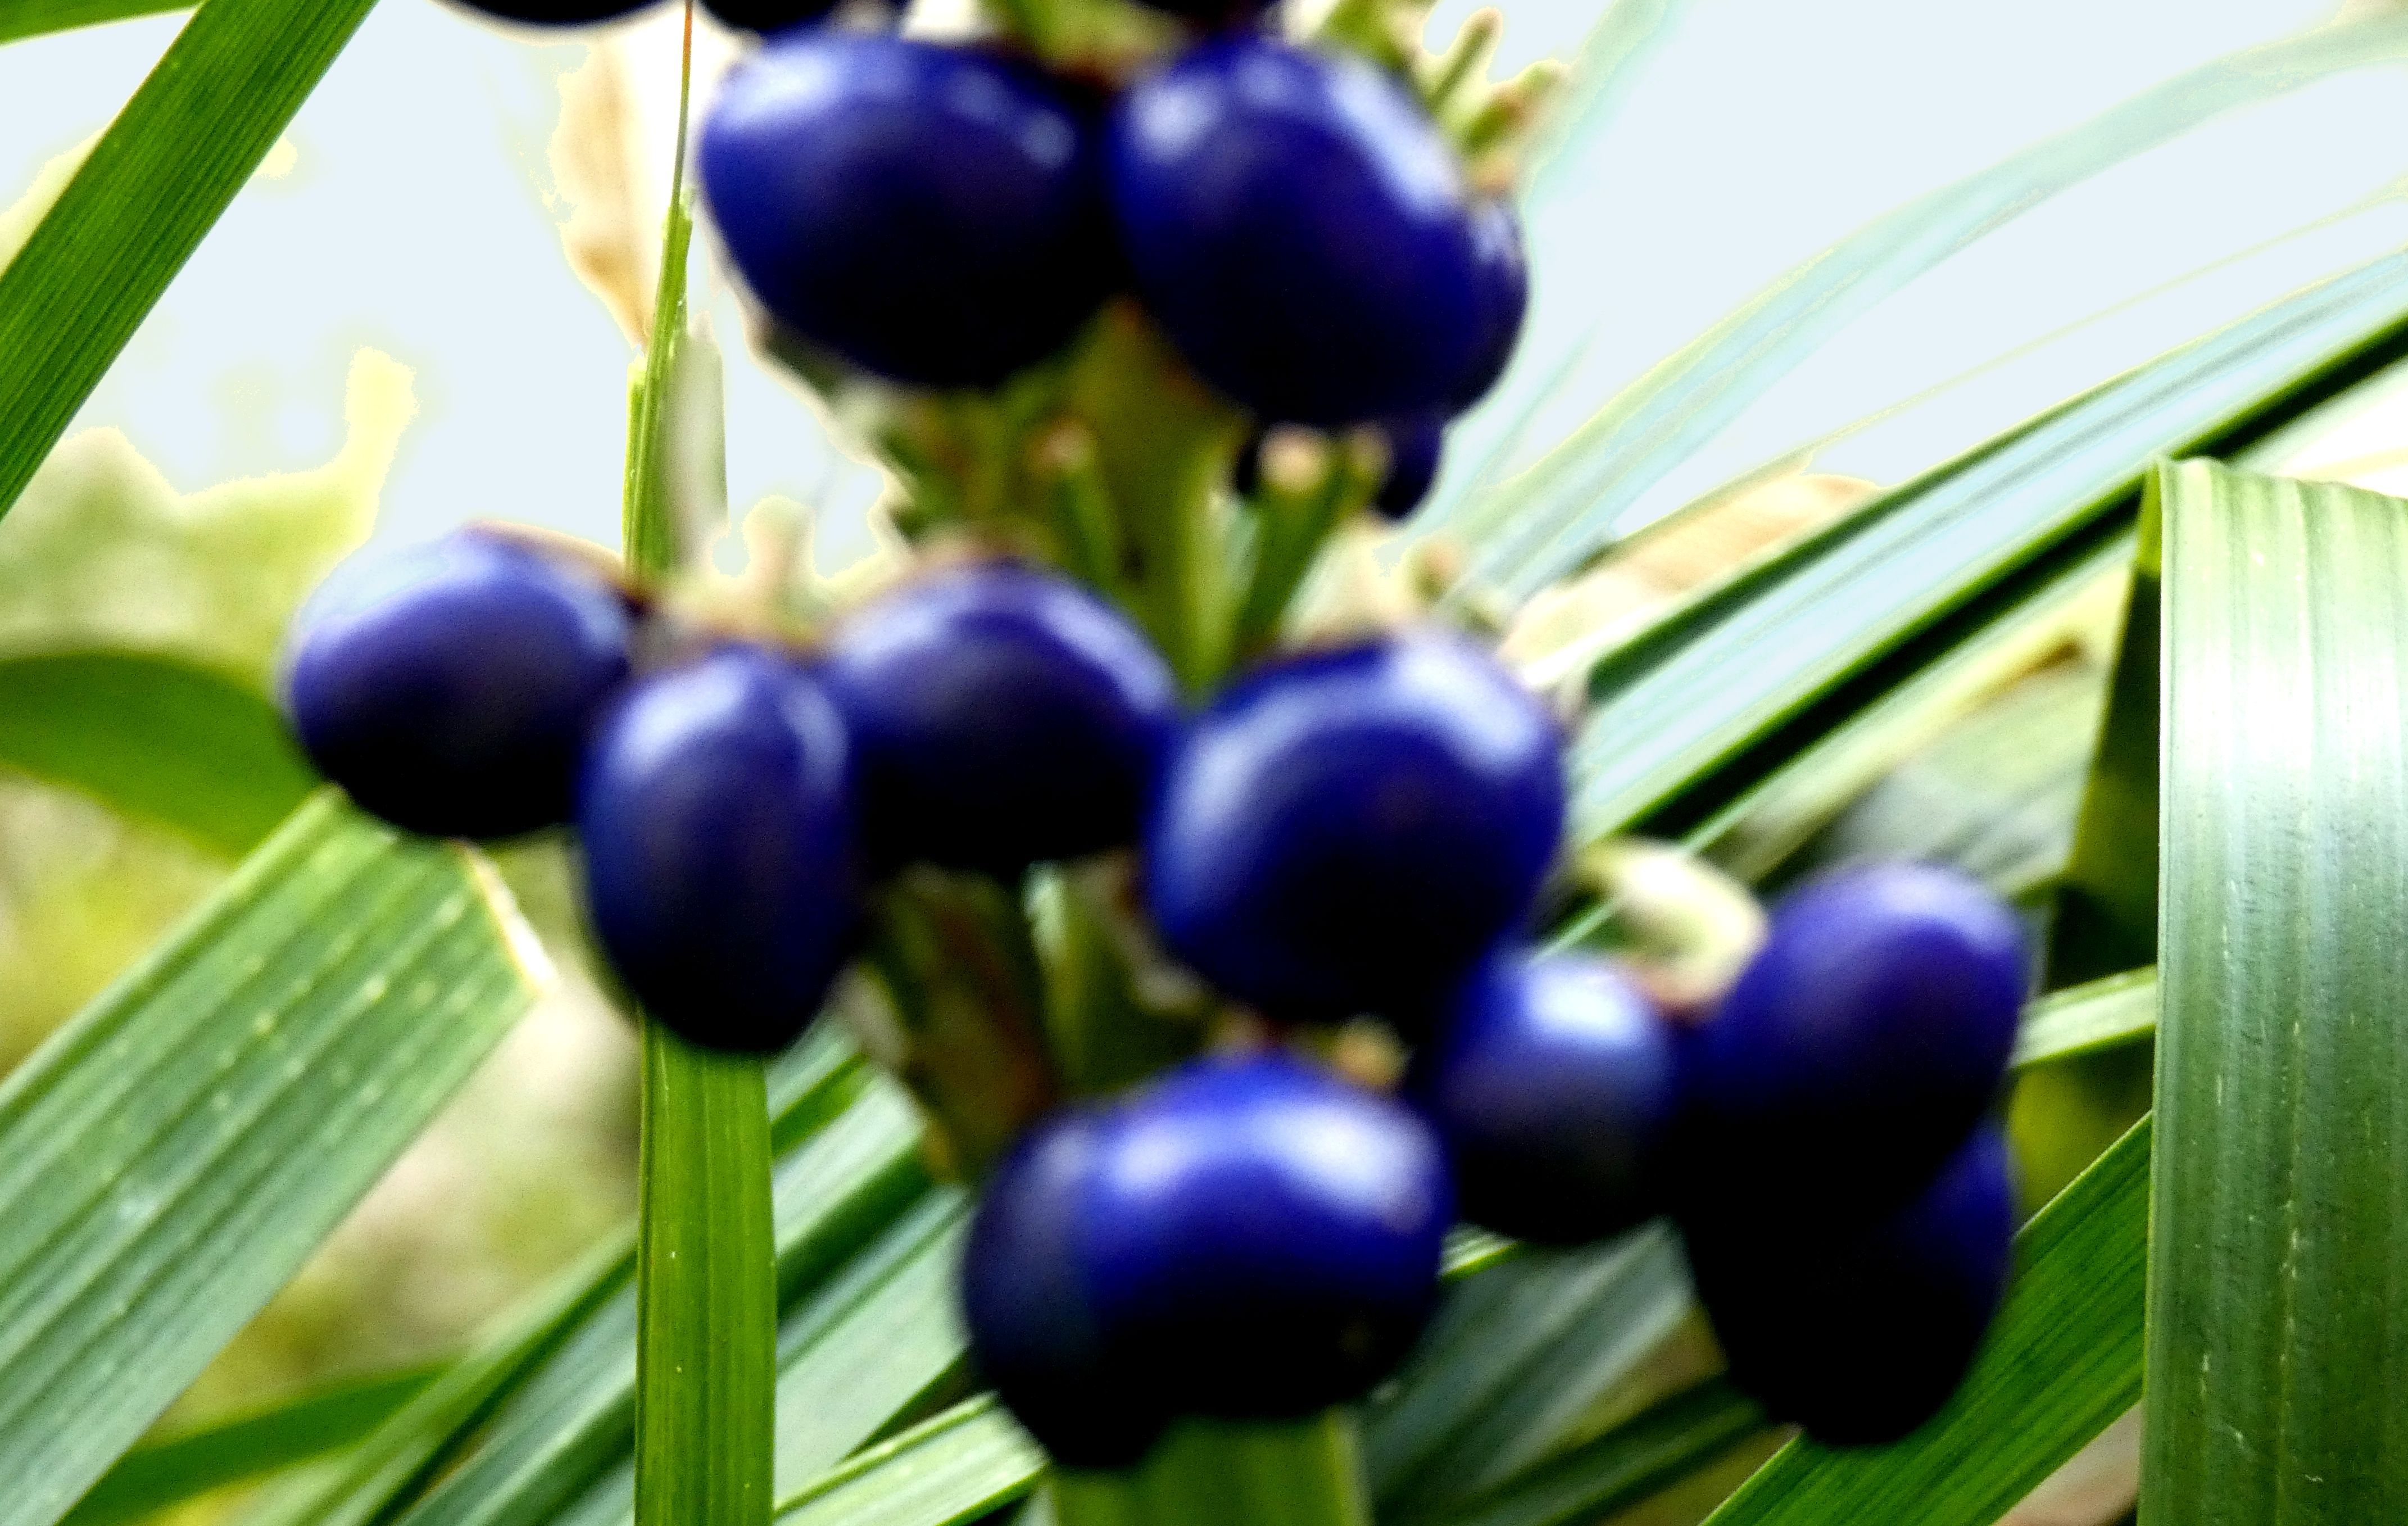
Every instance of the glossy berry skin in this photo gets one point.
(767, 16)
(1247, 1237)
(1554, 1084)
(1502, 278)
(1350, 830)
(1001, 715)
(931, 214)
(1032, 1324)
(1416, 448)
(1861, 1336)
(556, 12)
(450, 687)
(1300, 229)
(719, 863)
(1860, 1044)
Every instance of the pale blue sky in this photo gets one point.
(414, 221)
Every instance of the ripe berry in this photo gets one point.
(931, 214)
(1000, 716)
(1861, 1334)
(1247, 1238)
(1349, 831)
(1031, 1317)
(767, 16)
(556, 12)
(451, 686)
(717, 817)
(1554, 1083)
(1416, 444)
(1861, 1043)
(1301, 230)
(1503, 280)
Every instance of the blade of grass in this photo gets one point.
(1682, 727)
(169, 1159)
(2277, 1331)
(2116, 1009)
(1662, 1445)
(171, 1469)
(153, 737)
(2061, 1363)
(34, 18)
(148, 193)
(1552, 517)
(963, 1465)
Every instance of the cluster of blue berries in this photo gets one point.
(948, 216)
(1362, 830)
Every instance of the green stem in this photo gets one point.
(1303, 1473)
(705, 1270)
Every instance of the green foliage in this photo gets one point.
(169, 1159)
(156, 738)
(33, 17)
(2275, 1340)
(143, 200)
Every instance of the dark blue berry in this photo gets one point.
(717, 817)
(1865, 1036)
(450, 687)
(1032, 1324)
(1503, 280)
(1350, 830)
(1000, 716)
(767, 16)
(1301, 230)
(1263, 1237)
(1554, 1084)
(556, 12)
(1860, 1334)
(1415, 445)
(932, 214)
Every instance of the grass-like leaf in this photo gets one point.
(2062, 1362)
(1549, 520)
(169, 1159)
(967, 1462)
(1689, 719)
(34, 18)
(1663, 1443)
(148, 193)
(172, 1469)
(2278, 1342)
(2115, 1010)
(156, 738)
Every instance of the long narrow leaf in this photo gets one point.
(1666, 1442)
(156, 738)
(2062, 1362)
(152, 188)
(1678, 734)
(33, 17)
(1553, 517)
(173, 1156)
(963, 1465)
(2278, 1337)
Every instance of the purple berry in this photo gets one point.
(1301, 230)
(767, 16)
(450, 687)
(1002, 716)
(931, 214)
(1416, 444)
(1350, 830)
(555, 12)
(1860, 1333)
(720, 868)
(1862, 1042)
(1503, 279)
(1554, 1084)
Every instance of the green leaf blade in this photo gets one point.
(2278, 1340)
(37, 17)
(171, 1158)
(151, 189)
(156, 738)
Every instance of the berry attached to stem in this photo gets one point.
(719, 866)
(1350, 830)
(931, 214)
(450, 688)
(1002, 716)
